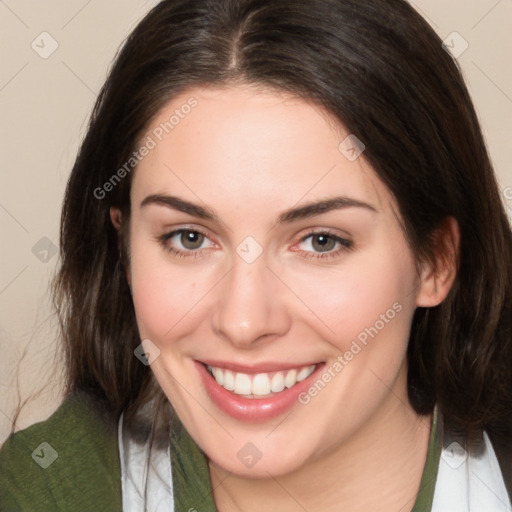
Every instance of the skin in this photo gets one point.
(250, 154)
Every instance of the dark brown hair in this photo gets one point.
(380, 69)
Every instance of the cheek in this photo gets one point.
(166, 296)
(367, 297)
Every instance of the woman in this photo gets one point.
(286, 275)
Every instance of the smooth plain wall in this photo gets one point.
(55, 56)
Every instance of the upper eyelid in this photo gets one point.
(308, 232)
(172, 233)
(326, 231)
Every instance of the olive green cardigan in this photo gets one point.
(70, 462)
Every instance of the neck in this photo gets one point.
(378, 468)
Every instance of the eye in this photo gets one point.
(323, 244)
(185, 242)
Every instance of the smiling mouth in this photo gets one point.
(260, 385)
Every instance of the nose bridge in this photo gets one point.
(249, 304)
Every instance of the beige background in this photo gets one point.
(45, 103)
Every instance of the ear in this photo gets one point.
(437, 276)
(116, 218)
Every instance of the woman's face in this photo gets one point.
(263, 248)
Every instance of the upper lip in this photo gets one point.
(262, 367)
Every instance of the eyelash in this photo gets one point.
(345, 245)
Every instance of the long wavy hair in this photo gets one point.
(380, 69)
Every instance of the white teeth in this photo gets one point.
(242, 384)
(261, 384)
(219, 375)
(277, 382)
(305, 373)
(291, 378)
(229, 380)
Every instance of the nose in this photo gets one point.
(251, 305)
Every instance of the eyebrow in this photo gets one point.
(301, 212)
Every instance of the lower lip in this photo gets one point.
(253, 409)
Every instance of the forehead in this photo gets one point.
(251, 145)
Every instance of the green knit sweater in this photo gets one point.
(70, 462)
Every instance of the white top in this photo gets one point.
(146, 475)
(468, 482)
